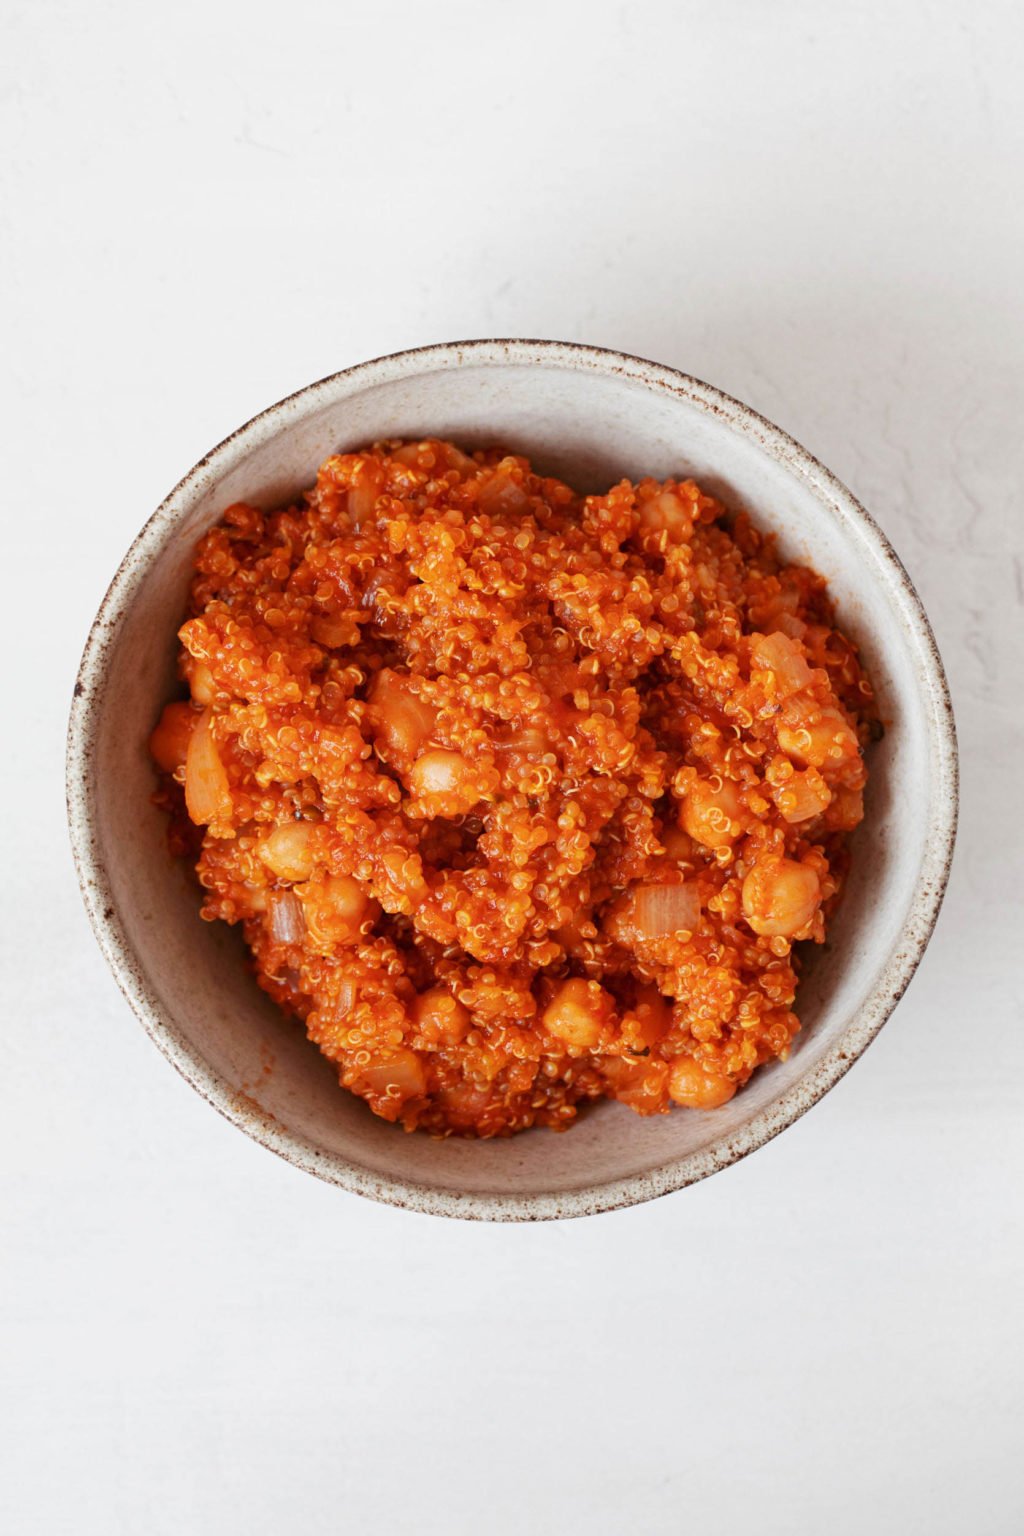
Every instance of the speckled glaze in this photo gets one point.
(590, 416)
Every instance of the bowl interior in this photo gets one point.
(590, 424)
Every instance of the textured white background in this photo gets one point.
(817, 207)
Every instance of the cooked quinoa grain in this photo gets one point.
(522, 798)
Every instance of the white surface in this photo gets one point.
(817, 208)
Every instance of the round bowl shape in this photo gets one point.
(590, 417)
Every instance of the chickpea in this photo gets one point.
(201, 683)
(439, 772)
(350, 902)
(287, 852)
(802, 796)
(207, 787)
(640, 1083)
(711, 812)
(337, 909)
(691, 1085)
(818, 738)
(578, 1014)
(402, 721)
(571, 935)
(846, 810)
(168, 744)
(334, 630)
(440, 1018)
(448, 779)
(780, 897)
(649, 1020)
(465, 1102)
(677, 844)
(666, 512)
(391, 1082)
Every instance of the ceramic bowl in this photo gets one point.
(589, 416)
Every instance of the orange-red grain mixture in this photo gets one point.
(521, 797)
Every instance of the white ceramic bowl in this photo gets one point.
(589, 416)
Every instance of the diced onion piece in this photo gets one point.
(168, 744)
(287, 919)
(530, 740)
(784, 659)
(662, 909)
(449, 457)
(347, 997)
(207, 790)
(501, 495)
(362, 497)
(650, 912)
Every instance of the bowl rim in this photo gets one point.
(676, 1173)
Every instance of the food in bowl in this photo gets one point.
(522, 798)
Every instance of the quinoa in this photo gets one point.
(522, 798)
